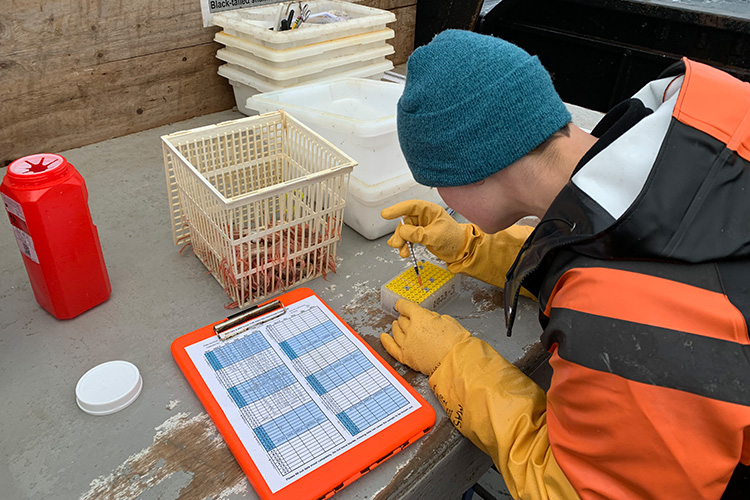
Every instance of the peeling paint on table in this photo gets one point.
(190, 449)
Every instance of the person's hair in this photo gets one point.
(546, 148)
(544, 155)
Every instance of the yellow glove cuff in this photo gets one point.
(488, 257)
(503, 413)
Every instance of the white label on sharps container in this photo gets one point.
(25, 244)
(13, 207)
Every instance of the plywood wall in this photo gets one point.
(76, 72)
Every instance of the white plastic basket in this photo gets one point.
(254, 23)
(261, 200)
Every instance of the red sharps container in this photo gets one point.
(47, 203)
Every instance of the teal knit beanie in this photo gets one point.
(473, 104)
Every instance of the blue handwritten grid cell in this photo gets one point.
(290, 425)
(374, 408)
(288, 350)
(310, 339)
(347, 422)
(317, 387)
(261, 386)
(237, 351)
(341, 371)
(236, 395)
(263, 438)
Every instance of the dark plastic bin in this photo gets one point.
(602, 51)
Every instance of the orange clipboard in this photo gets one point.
(206, 360)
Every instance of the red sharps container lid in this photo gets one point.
(38, 167)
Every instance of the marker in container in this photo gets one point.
(413, 257)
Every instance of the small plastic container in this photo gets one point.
(439, 286)
(248, 83)
(108, 388)
(358, 116)
(47, 204)
(253, 24)
(312, 53)
(260, 199)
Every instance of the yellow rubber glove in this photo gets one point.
(503, 412)
(464, 247)
(422, 337)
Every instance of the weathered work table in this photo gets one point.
(164, 446)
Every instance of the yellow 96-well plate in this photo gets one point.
(439, 286)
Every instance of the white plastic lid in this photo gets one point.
(108, 388)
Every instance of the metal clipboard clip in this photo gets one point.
(247, 319)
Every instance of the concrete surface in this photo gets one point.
(164, 446)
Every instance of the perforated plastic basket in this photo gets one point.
(261, 200)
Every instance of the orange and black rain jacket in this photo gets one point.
(642, 270)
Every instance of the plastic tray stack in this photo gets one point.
(259, 59)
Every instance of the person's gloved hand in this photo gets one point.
(421, 338)
(465, 248)
(430, 225)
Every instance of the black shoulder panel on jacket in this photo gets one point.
(694, 206)
(705, 366)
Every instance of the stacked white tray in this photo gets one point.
(259, 59)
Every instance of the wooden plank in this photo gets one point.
(45, 35)
(403, 42)
(75, 72)
(406, 15)
(386, 4)
(114, 99)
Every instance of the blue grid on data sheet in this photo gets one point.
(264, 439)
(310, 339)
(372, 409)
(237, 351)
(347, 422)
(289, 425)
(315, 385)
(262, 386)
(339, 372)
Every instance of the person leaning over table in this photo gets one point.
(639, 263)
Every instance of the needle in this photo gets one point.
(413, 258)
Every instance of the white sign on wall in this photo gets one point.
(210, 7)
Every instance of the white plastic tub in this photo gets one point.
(254, 23)
(246, 84)
(358, 116)
(305, 54)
